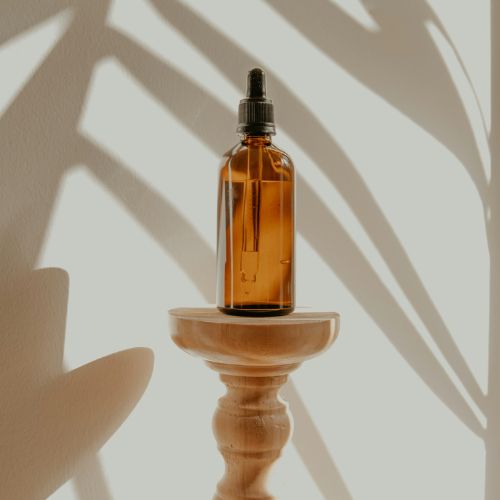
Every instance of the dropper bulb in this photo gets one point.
(256, 112)
(256, 84)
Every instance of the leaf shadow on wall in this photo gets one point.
(51, 422)
(423, 91)
(398, 60)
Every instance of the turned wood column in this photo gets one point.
(253, 357)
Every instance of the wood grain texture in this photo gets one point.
(253, 357)
(237, 340)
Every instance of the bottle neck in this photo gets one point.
(256, 140)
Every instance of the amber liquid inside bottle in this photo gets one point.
(256, 229)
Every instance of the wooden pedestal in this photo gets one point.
(253, 357)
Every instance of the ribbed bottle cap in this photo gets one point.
(256, 112)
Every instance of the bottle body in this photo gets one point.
(256, 230)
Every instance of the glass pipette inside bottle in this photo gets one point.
(256, 90)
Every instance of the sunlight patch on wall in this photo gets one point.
(468, 25)
(21, 56)
(123, 118)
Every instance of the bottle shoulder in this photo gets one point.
(286, 158)
(268, 161)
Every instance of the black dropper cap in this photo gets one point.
(256, 112)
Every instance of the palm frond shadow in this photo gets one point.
(409, 74)
(306, 437)
(37, 139)
(16, 18)
(172, 231)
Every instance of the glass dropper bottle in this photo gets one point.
(256, 223)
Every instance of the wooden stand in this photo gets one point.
(253, 357)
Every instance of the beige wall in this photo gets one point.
(113, 116)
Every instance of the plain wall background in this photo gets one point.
(113, 118)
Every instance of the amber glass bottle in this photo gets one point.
(256, 223)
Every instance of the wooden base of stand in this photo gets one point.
(253, 357)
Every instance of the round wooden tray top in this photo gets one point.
(251, 341)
